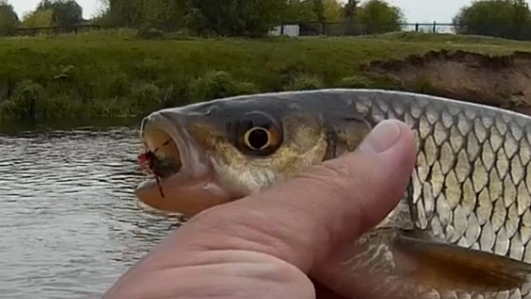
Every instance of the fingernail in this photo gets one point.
(381, 138)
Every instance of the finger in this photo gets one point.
(301, 220)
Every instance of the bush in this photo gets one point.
(218, 84)
(150, 33)
(146, 96)
(355, 82)
(28, 101)
(304, 82)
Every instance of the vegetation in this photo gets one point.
(38, 18)
(245, 18)
(116, 74)
(234, 18)
(173, 53)
(380, 17)
(8, 19)
(64, 12)
(499, 18)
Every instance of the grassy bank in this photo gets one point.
(115, 74)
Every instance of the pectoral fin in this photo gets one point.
(451, 267)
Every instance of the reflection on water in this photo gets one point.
(69, 223)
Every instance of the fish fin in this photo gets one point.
(452, 267)
(344, 134)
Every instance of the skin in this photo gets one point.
(277, 243)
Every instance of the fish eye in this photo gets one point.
(258, 134)
(257, 138)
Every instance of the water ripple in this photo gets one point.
(69, 224)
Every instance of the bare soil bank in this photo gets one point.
(497, 80)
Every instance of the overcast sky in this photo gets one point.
(441, 11)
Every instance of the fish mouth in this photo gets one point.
(186, 182)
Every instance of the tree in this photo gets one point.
(306, 11)
(160, 14)
(103, 16)
(350, 9)
(291, 13)
(235, 17)
(499, 18)
(38, 18)
(378, 16)
(125, 13)
(8, 19)
(301, 11)
(318, 9)
(333, 11)
(66, 13)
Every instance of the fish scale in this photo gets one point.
(472, 180)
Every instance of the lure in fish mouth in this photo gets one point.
(182, 172)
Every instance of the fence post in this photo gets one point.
(434, 26)
(416, 27)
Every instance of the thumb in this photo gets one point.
(301, 220)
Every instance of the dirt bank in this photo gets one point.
(498, 80)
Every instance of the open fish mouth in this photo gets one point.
(166, 159)
(179, 167)
(172, 152)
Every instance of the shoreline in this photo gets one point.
(114, 75)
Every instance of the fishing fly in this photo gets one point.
(150, 158)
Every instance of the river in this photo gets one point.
(69, 222)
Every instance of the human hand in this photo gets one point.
(267, 245)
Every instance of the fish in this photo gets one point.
(462, 228)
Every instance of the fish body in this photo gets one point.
(463, 227)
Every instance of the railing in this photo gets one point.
(317, 28)
(353, 28)
(56, 29)
(306, 28)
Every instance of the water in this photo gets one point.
(69, 222)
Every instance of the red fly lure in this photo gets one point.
(152, 162)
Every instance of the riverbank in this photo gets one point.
(116, 74)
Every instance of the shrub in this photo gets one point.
(355, 82)
(27, 102)
(304, 82)
(146, 96)
(219, 84)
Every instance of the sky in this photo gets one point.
(416, 11)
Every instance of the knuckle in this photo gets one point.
(335, 177)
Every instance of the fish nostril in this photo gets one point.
(212, 110)
(175, 117)
(166, 114)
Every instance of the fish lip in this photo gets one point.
(194, 162)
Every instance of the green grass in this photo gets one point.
(115, 74)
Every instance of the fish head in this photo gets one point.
(223, 150)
